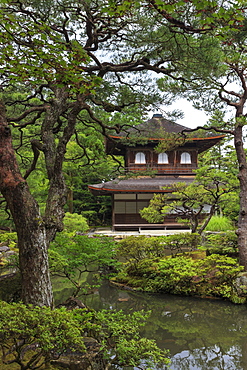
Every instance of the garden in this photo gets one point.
(181, 264)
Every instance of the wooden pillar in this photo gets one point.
(113, 212)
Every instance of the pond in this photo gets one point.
(200, 333)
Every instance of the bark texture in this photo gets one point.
(54, 158)
(242, 220)
(36, 284)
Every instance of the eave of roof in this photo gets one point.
(114, 144)
(159, 139)
(138, 185)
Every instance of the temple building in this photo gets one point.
(154, 169)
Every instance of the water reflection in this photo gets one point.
(200, 333)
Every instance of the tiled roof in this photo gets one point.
(143, 184)
(156, 125)
(158, 129)
(153, 128)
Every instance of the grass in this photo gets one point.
(219, 223)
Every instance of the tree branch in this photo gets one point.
(214, 128)
(177, 23)
(36, 147)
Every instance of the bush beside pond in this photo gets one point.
(223, 243)
(206, 269)
(33, 337)
(212, 276)
(196, 272)
(136, 248)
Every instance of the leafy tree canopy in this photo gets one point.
(195, 201)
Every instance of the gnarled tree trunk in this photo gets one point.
(242, 176)
(36, 284)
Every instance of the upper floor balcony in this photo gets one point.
(163, 169)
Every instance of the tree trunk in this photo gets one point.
(36, 284)
(54, 158)
(242, 220)
(70, 199)
(208, 218)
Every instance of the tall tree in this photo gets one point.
(63, 63)
(29, 224)
(215, 70)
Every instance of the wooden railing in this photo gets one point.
(140, 227)
(169, 170)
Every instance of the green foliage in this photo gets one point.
(180, 242)
(170, 141)
(225, 243)
(185, 274)
(219, 223)
(74, 222)
(136, 248)
(223, 157)
(127, 346)
(154, 212)
(188, 202)
(72, 255)
(37, 180)
(9, 239)
(217, 275)
(79, 174)
(175, 274)
(32, 336)
(5, 219)
(231, 207)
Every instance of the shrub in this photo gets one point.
(175, 274)
(70, 256)
(217, 274)
(136, 248)
(211, 276)
(8, 239)
(130, 349)
(75, 222)
(179, 242)
(31, 337)
(222, 243)
(220, 223)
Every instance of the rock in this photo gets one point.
(240, 284)
(4, 249)
(123, 299)
(91, 360)
(72, 303)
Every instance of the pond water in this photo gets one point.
(200, 333)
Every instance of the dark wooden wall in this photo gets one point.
(174, 158)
